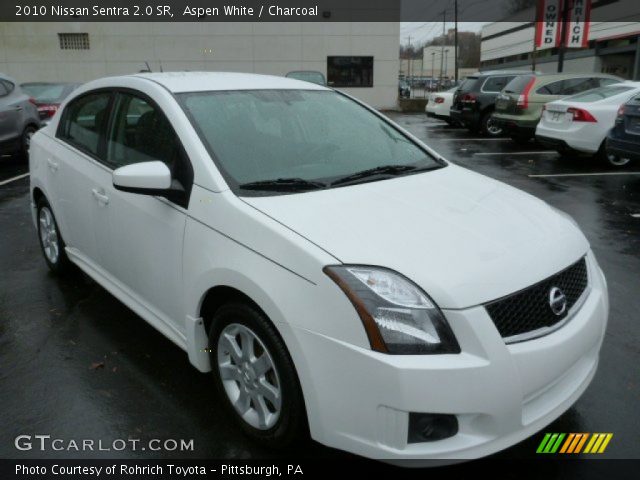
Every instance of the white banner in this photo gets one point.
(548, 22)
(578, 24)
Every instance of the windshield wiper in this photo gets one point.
(283, 184)
(381, 170)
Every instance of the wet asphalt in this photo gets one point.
(77, 364)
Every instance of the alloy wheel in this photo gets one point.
(48, 235)
(249, 376)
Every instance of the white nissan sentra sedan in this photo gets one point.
(333, 273)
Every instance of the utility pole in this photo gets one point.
(455, 38)
(563, 34)
(444, 22)
(433, 72)
(446, 62)
(409, 67)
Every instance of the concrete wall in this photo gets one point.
(31, 52)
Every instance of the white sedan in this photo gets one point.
(580, 123)
(334, 274)
(439, 104)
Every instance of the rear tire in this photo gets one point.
(51, 243)
(255, 376)
(488, 126)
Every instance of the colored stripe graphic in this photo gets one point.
(543, 443)
(550, 443)
(574, 443)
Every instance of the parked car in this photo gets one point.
(580, 123)
(404, 89)
(335, 275)
(19, 118)
(623, 140)
(519, 105)
(308, 76)
(439, 104)
(474, 101)
(48, 96)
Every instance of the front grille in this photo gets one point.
(529, 309)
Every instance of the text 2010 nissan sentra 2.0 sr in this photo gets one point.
(335, 275)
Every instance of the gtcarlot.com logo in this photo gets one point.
(574, 443)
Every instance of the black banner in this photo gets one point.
(293, 10)
(539, 468)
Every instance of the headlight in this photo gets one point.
(398, 316)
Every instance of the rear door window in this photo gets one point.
(84, 120)
(572, 86)
(553, 88)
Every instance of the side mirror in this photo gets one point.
(147, 178)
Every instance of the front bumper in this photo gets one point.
(359, 400)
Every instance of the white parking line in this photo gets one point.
(13, 179)
(593, 174)
(635, 215)
(539, 152)
(476, 139)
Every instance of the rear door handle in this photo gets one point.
(100, 196)
(18, 108)
(53, 166)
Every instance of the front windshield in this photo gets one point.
(308, 135)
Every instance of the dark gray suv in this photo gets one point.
(474, 102)
(19, 118)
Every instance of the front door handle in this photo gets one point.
(100, 196)
(53, 166)
(18, 108)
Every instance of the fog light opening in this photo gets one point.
(429, 427)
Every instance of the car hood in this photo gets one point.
(464, 238)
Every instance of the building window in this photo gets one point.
(350, 71)
(74, 41)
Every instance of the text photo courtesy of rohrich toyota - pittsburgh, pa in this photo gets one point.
(309, 238)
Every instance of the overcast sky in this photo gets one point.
(420, 32)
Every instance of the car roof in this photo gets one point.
(183, 82)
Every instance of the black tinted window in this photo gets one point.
(350, 71)
(84, 121)
(495, 84)
(140, 133)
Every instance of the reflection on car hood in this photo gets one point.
(466, 239)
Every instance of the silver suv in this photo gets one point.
(19, 118)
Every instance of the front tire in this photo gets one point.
(612, 159)
(51, 243)
(255, 376)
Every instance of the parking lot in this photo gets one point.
(76, 363)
